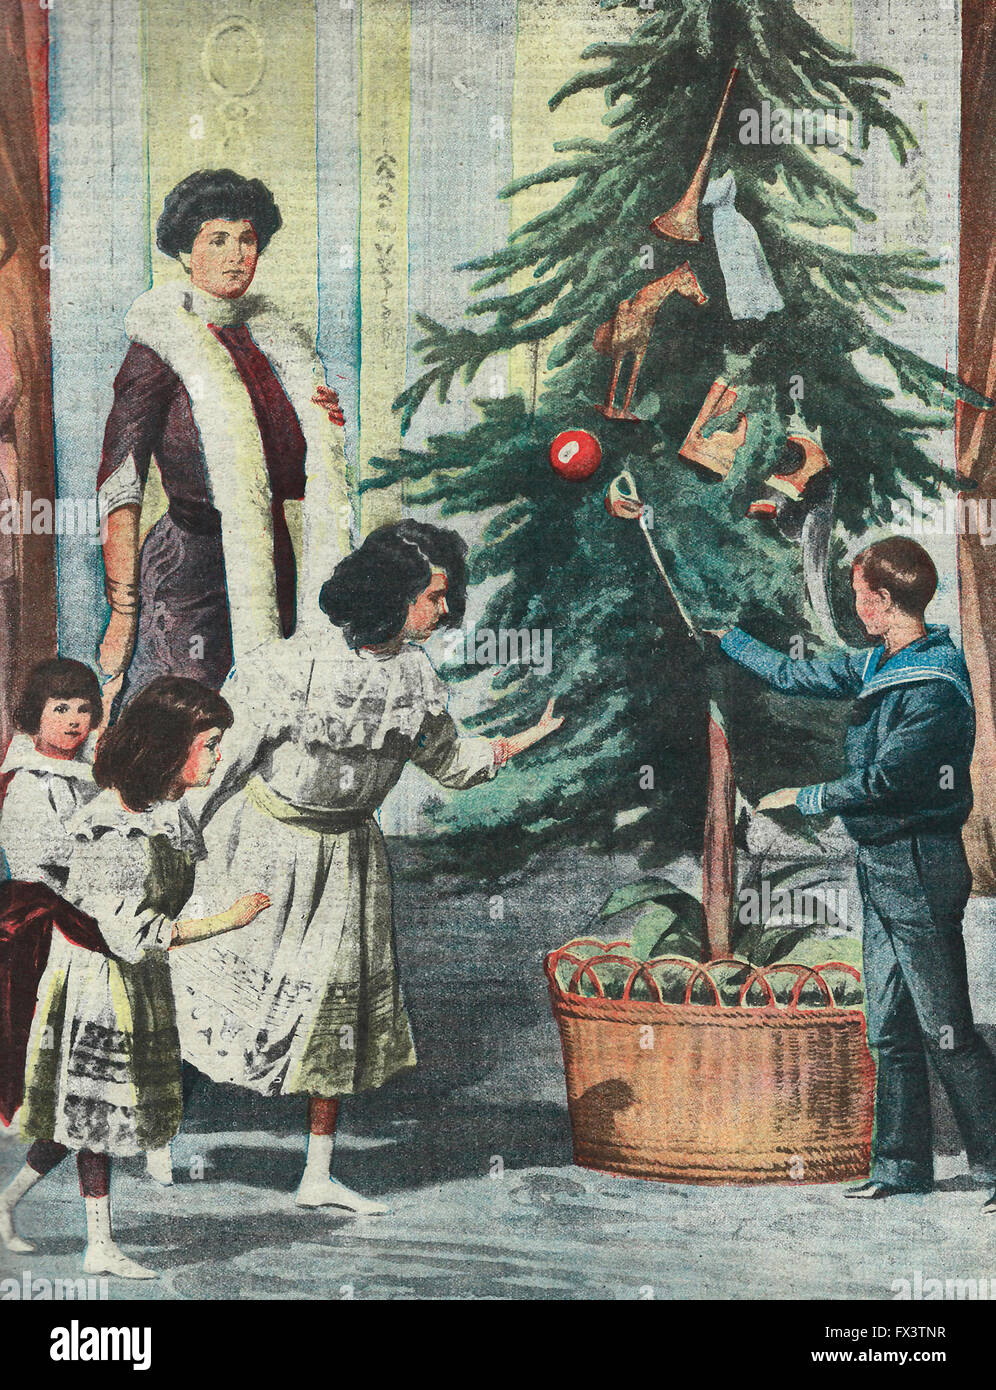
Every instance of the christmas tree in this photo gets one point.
(629, 766)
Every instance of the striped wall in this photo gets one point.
(100, 261)
(385, 128)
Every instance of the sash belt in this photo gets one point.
(313, 818)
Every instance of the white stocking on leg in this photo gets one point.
(319, 1160)
(102, 1255)
(9, 1198)
(159, 1165)
(317, 1188)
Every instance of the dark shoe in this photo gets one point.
(873, 1191)
(989, 1207)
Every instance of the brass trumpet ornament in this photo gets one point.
(681, 222)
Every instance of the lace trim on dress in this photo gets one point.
(344, 698)
(170, 818)
(22, 756)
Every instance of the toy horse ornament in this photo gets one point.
(629, 329)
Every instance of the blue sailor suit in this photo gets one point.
(904, 799)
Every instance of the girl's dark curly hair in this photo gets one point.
(210, 193)
(60, 679)
(370, 590)
(141, 756)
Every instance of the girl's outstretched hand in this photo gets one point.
(549, 722)
(247, 908)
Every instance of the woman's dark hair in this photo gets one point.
(141, 756)
(211, 193)
(903, 569)
(370, 590)
(60, 679)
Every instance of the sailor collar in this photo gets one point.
(930, 658)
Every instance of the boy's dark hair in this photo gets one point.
(141, 756)
(903, 569)
(59, 679)
(370, 590)
(211, 193)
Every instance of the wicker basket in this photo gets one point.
(704, 1093)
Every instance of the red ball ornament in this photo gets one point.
(575, 455)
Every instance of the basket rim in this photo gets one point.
(724, 1015)
(700, 971)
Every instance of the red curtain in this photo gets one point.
(29, 618)
(976, 429)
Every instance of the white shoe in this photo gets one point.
(327, 1192)
(159, 1165)
(108, 1259)
(11, 1240)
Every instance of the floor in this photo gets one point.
(472, 1150)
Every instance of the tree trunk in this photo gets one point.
(718, 852)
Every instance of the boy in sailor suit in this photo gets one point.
(904, 799)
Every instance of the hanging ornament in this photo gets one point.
(751, 291)
(575, 455)
(629, 329)
(681, 223)
(806, 460)
(800, 503)
(718, 451)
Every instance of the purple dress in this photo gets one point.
(183, 622)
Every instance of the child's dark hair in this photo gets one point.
(59, 679)
(370, 590)
(142, 754)
(903, 569)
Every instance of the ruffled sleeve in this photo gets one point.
(452, 759)
(106, 879)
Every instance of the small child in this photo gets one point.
(47, 774)
(103, 1055)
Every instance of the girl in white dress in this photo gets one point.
(47, 773)
(308, 1000)
(103, 1060)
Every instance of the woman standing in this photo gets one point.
(231, 401)
(103, 1060)
(309, 1001)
